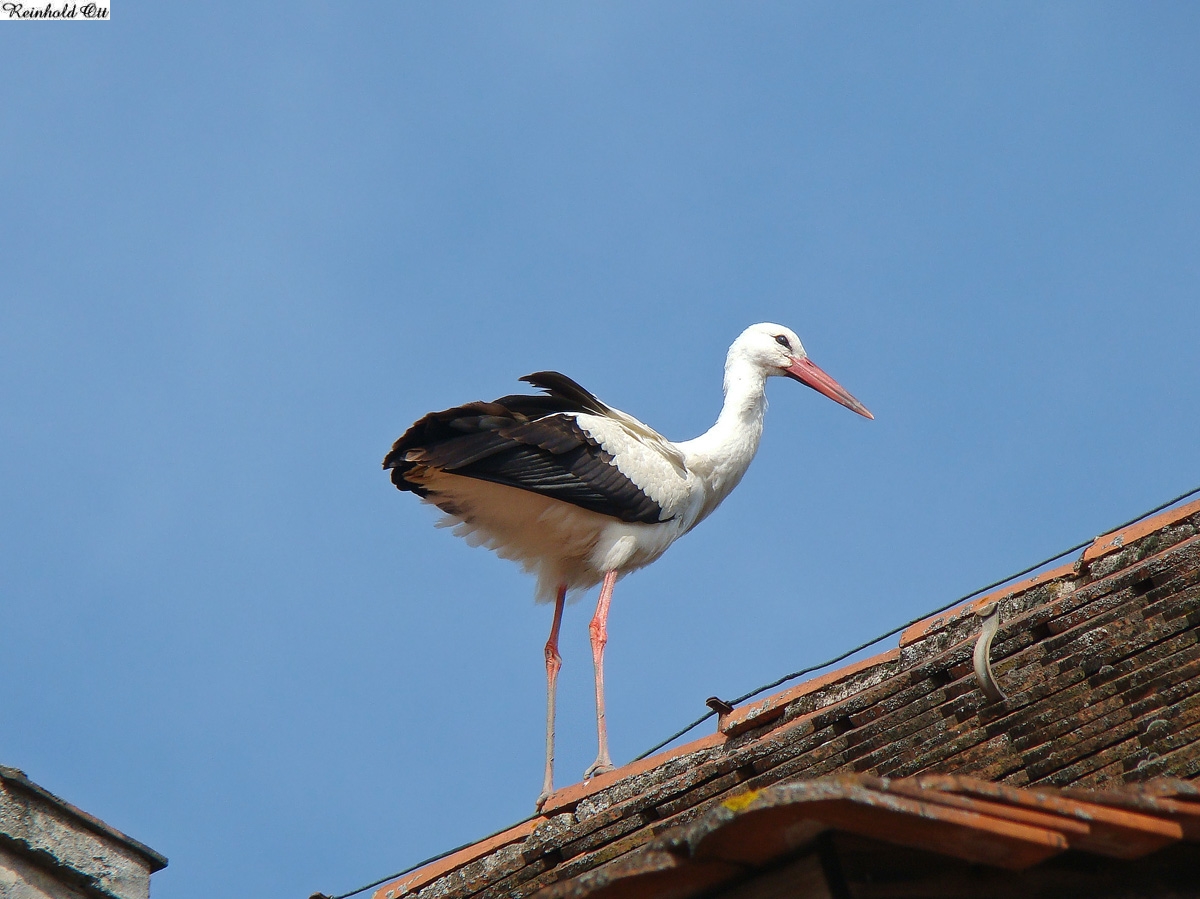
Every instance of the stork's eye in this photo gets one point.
(783, 341)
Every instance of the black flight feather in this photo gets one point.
(560, 386)
(528, 442)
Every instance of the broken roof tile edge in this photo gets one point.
(1103, 545)
(407, 884)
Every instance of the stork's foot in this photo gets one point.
(541, 800)
(602, 765)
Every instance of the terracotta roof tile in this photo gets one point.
(922, 629)
(1170, 799)
(412, 882)
(568, 797)
(1100, 662)
(763, 711)
(1012, 830)
(1110, 543)
(1107, 831)
(778, 820)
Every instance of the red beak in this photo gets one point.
(806, 372)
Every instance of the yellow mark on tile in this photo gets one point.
(739, 802)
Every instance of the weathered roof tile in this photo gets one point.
(1100, 661)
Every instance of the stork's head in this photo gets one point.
(776, 350)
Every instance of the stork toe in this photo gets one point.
(600, 766)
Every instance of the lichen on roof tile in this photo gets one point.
(1101, 664)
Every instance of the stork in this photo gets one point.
(580, 493)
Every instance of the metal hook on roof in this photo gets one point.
(983, 653)
(721, 707)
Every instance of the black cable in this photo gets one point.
(787, 677)
(903, 627)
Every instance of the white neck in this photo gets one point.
(721, 455)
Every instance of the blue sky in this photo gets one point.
(243, 246)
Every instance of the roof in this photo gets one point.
(957, 817)
(1099, 663)
(44, 836)
(15, 778)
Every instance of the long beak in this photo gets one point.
(806, 372)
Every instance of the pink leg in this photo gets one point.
(599, 630)
(553, 664)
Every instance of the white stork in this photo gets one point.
(582, 494)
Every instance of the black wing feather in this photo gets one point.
(559, 386)
(524, 442)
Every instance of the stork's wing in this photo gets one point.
(535, 443)
(559, 386)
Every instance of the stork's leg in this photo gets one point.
(599, 631)
(553, 664)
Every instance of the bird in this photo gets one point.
(580, 493)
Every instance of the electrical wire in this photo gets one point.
(787, 677)
(903, 627)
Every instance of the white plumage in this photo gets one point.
(580, 493)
